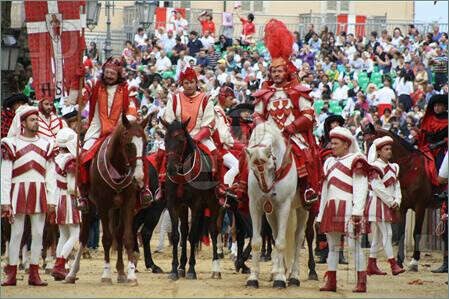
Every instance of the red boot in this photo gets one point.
(11, 272)
(59, 272)
(395, 269)
(361, 282)
(372, 269)
(331, 282)
(34, 278)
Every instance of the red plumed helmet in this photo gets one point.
(188, 74)
(279, 42)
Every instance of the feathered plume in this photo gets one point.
(278, 40)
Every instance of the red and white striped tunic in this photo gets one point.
(66, 213)
(344, 191)
(49, 127)
(28, 180)
(385, 190)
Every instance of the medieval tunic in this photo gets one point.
(198, 109)
(49, 127)
(106, 106)
(66, 213)
(28, 174)
(385, 190)
(344, 192)
(222, 136)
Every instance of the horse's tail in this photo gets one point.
(290, 245)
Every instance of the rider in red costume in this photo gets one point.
(288, 103)
(432, 138)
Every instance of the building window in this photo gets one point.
(344, 5)
(252, 6)
(332, 5)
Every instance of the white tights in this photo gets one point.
(232, 164)
(37, 231)
(68, 235)
(334, 243)
(381, 236)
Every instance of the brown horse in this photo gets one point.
(416, 186)
(194, 190)
(116, 173)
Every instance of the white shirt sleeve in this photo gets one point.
(443, 172)
(50, 182)
(380, 191)
(6, 181)
(169, 116)
(223, 131)
(360, 187)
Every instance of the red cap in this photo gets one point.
(188, 74)
(225, 91)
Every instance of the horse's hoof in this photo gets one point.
(122, 279)
(106, 280)
(173, 276)
(279, 284)
(133, 282)
(245, 269)
(252, 284)
(191, 275)
(181, 273)
(70, 279)
(313, 276)
(221, 255)
(216, 275)
(412, 268)
(293, 282)
(48, 271)
(156, 270)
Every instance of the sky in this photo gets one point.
(426, 11)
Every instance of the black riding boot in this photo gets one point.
(443, 267)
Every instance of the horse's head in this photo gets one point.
(177, 142)
(132, 141)
(369, 133)
(260, 152)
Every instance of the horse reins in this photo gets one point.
(278, 173)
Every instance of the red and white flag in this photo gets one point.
(166, 15)
(55, 45)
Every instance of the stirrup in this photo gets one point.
(146, 197)
(82, 204)
(310, 196)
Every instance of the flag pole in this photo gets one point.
(79, 102)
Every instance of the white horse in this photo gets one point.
(272, 183)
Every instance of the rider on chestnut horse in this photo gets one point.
(108, 98)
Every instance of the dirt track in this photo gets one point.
(232, 284)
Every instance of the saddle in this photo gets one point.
(108, 173)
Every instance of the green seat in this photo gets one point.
(337, 110)
(334, 86)
(168, 74)
(363, 82)
(376, 77)
(318, 105)
(333, 103)
(375, 68)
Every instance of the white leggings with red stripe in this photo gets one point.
(68, 235)
(355, 245)
(382, 235)
(37, 231)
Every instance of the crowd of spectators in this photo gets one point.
(385, 78)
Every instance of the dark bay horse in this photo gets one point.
(190, 185)
(147, 218)
(416, 186)
(116, 174)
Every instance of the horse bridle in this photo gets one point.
(261, 181)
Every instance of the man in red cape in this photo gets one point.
(288, 103)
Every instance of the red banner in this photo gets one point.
(55, 43)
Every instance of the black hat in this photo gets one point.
(329, 120)
(70, 115)
(16, 98)
(235, 112)
(437, 98)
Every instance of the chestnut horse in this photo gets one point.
(116, 174)
(416, 186)
(190, 184)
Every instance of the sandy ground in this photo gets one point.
(232, 284)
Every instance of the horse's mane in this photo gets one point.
(400, 140)
(260, 132)
(177, 125)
